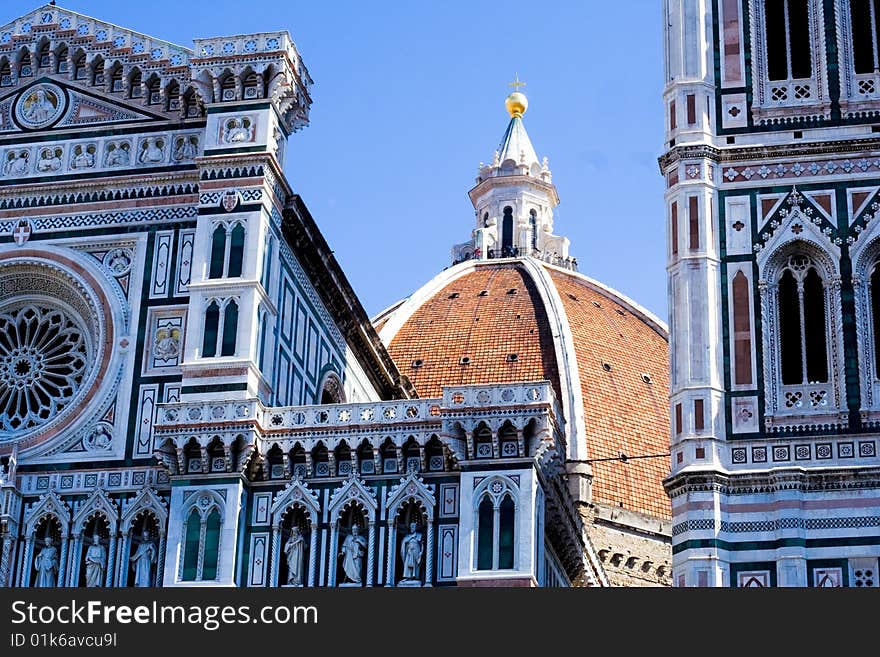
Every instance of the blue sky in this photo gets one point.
(409, 99)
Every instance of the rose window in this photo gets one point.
(57, 361)
(44, 360)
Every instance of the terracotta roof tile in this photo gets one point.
(624, 414)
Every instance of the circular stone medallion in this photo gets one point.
(40, 105)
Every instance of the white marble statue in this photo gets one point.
(411, 553)
(353, 550)
(96, 562)
(143, 559)
(293, 551)
(46, 564)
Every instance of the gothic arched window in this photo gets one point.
(788, 39)
(506, 518)
(227, 251)
(218, 252)
(212, 328)
(803, 344)
(495, 523)
(533, 222)
(80, 70)
(211, 545)
(485, 534)
(865, 26)
(875, 315)
(507, 232)
(230, 329)
(191, 546)
(201, 540)
(236, 251)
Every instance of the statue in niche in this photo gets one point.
(96, 562)
(353, 550)
(411, 552)
(143, 559)
(46, 564)
(293, 551)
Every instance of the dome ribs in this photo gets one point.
(624, 414)
(443, 330)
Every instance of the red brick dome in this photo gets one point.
(485, 321)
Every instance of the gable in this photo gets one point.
(49, 103)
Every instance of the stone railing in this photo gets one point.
(476, 396)
(211, 412)
(347, 415)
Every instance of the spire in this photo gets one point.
(514, 199)
(515, 144)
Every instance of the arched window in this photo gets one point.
(25, 69)
(742, 331)
(218, 252)
(5, 73)
(788, 39)
(495, 522)
(135, 81)
(62, 65)
(227, 88)
(80, 70)
(154, 94)
(191, 546)
(116, 83)
(865, 23)
(533, 222)
(267, 263)
(172, 96)
(485, 534)
(227, 251)
(507, 233)
(803, 343)
(252, 85)
(262, 348)
(875, 315)
(220, 327)
(212, 328)
(506, 516)
(201, 547)
(44, 58)
(212, 545)
(98, 78)
(236, 251)
(230, 329)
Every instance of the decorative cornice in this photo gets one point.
(744, 153)
(772, 481)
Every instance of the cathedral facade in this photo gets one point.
(772, 111)
(192, 395)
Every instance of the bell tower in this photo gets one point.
(514, 198)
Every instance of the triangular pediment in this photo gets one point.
(52, 104)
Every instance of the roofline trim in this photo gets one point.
(566, 360)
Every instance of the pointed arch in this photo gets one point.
(96, 504)
(297, 492)
(147, 500)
